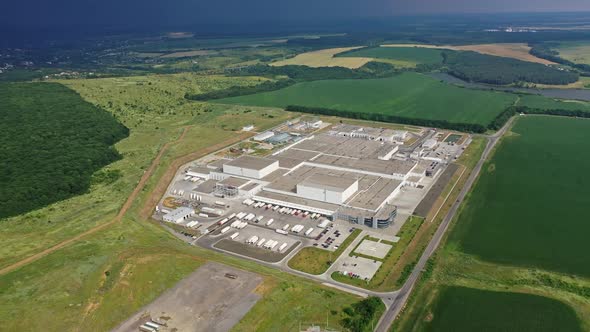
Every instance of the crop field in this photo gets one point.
(400, 56)
(540, 102)
(518, 51)
(530, 206)
(325, 58)
(468, 309)
(408, 95)
(577, 52)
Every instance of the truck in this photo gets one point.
(146, 328)
(225, 230)
(152, 325)
(220, 203)
(280, 231)
(259, 218)
(307, 232)
(261, 242)
(203, 215)
(283, 246)
(269, 222)
(286, 227)
(234, 235)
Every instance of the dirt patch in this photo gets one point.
(185, 54)
(518, 51)
(207, 300)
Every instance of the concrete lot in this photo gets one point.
(363, 267)
(204, 301)
(373, 249)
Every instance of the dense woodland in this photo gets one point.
(52, 142)
(482, 68)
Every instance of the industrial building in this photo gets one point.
(179, 214)
(251, 167)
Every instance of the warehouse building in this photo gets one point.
(264, 136)
(179, 214)
(326, 188)
(251, 167)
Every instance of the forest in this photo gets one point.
(482, 68)
(51, 142)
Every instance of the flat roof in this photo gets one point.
(200, 169)
(251, 162)
(250, 186)
(325, 181)
(179, 212)
(369, 165)
(234, 182)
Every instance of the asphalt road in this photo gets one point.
(402, 295)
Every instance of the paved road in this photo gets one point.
(403, 294)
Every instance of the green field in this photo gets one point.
(467, 309)
(411, 55)
(407, 95)
(530, 205)
(540, 102)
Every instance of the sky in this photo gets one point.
(25, 13)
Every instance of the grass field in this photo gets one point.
(535, 101)
(408, 95)
(577, 52)
(467, 309)
(532, 198)
(314, 260)
(95, 283)
(400, 56)
(324, 58)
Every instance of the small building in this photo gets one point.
(179, 214)
(327, 188)
(251, 167)
(248, 128)
(264, 136)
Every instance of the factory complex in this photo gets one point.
(306, 184)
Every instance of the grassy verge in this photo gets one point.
(316, 261)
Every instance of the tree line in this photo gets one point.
(51, 143)
(464, 127)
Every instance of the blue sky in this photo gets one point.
(107, 12)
